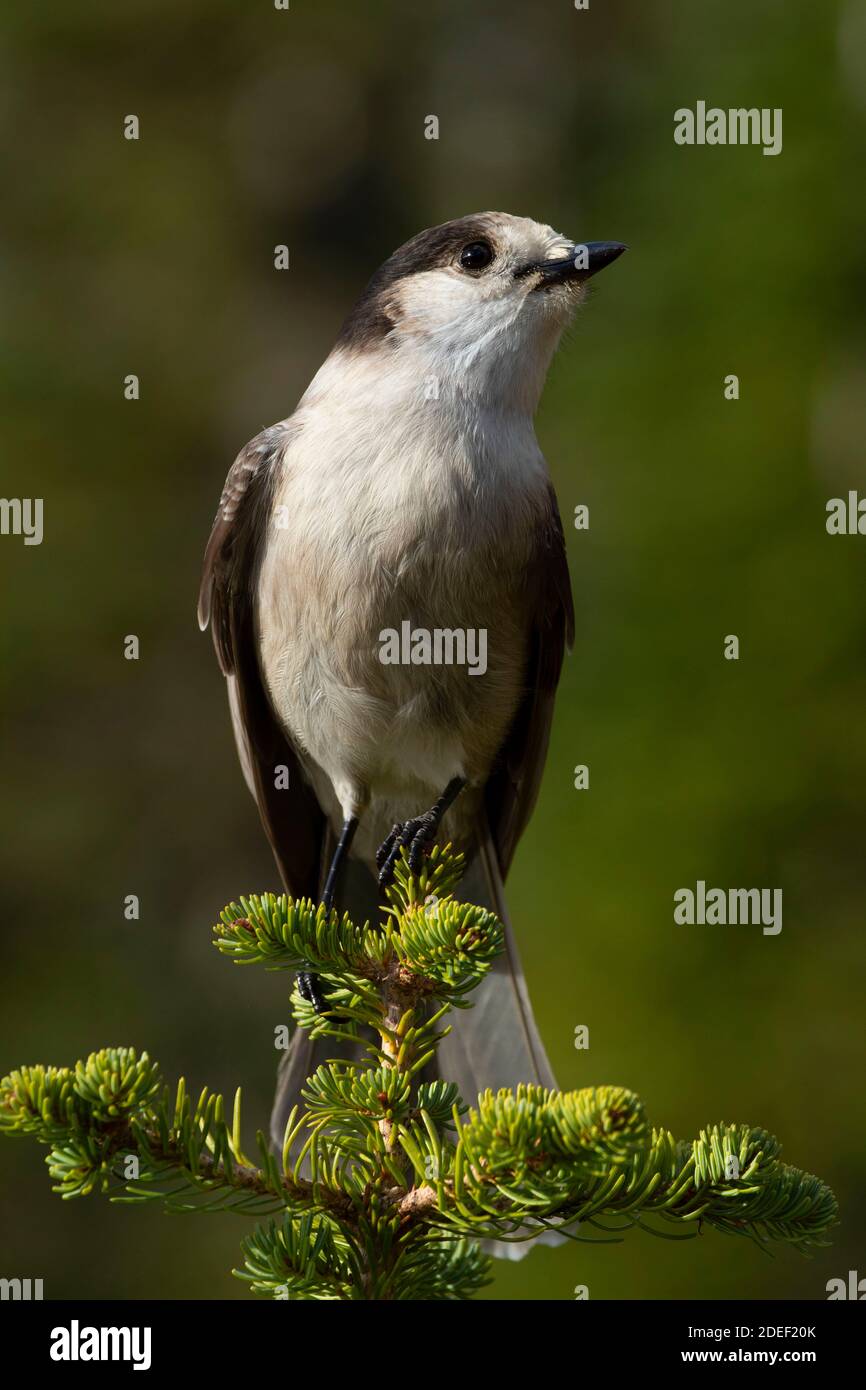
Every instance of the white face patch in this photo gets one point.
(493, 333)
(498, 309)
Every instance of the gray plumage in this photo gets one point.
(407, 486)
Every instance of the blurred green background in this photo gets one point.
(261, 127)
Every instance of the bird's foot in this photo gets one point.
(417, 836)
(309, 985)
(310, 988)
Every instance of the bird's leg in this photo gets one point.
(417, 834)
(308, 983)
(347, 835)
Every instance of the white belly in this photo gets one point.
(371, 531)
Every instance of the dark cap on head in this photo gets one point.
(369, 321)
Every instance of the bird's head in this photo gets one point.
(481, 300)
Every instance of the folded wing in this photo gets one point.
(291, 815)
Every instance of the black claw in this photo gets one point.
(308, 988)
(384, 850)
(417, 851)
(417, 834)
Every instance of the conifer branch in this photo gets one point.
(387, 1182)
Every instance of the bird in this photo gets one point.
(407, 498)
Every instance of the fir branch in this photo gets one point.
(385, 1183)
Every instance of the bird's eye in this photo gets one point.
(476, 255)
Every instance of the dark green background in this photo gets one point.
(707, 518)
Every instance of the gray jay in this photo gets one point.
(402, 514)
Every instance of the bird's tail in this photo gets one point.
(358, 894)
(495, 1043)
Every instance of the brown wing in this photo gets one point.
(291, 816)
(512, 789)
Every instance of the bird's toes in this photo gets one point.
(401, 836)
(309, 989)
(384, 850)
(422, 842)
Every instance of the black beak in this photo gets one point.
(583, 261)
